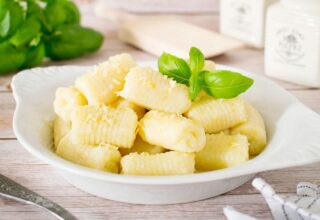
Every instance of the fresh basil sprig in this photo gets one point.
(219, 83)
(33, 29)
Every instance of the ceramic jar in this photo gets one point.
(292, 50)
(244, 20)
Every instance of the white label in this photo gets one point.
(290, 46)
(292, 51)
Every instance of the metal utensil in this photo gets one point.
(13, 190)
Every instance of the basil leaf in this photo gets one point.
(196, 60)
(5, 24)
(34, 56)
(33, 9)
(225, 84)
(27, 31)
(11, 16)
(61, 12)
(11, 58)
(174, 67)
(16, 16)
(70, 41)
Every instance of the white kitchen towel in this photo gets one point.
(305, 205)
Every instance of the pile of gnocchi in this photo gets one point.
(132, 120)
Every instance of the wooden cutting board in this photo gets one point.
(156, 34)
(172, 6)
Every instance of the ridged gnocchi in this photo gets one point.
(169, 163)
(132, 120)
(94, 125)
(60, 129)
(101, 86)
(123, 103)
(254, 129)
(217, 114)
(222, 151)
(171, 131)
(67, 98)
(102, 157)
(148, 88)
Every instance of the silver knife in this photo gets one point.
(13, 190)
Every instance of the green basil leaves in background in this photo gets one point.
(28, 30)
(5, 24)
(34, 55)
(219, 83)
(11, 16)
(33, 29)
(34, 10)
(10, 57)
(66, 40)
(61, 12)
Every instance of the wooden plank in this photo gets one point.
(7, 105)
(95, 208)
(310, 98)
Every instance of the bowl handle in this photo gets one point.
(300, 142)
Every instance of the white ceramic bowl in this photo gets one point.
(293, 140)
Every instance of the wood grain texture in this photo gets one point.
(18, 164)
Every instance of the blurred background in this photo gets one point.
(277, 37)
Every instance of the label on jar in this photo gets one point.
(243, 19)
(292, 50)
(290, 46)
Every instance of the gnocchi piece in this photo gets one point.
(94, 125)
(60, 129)
(67, 98)
(218, 114)
(254, 129)
(141, 146)
(171, 131)
(102, 85)
(149, 88)
(222, 151)
(169, 163)
(104, 157)
(123, 103)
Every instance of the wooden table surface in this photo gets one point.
(22, 167)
